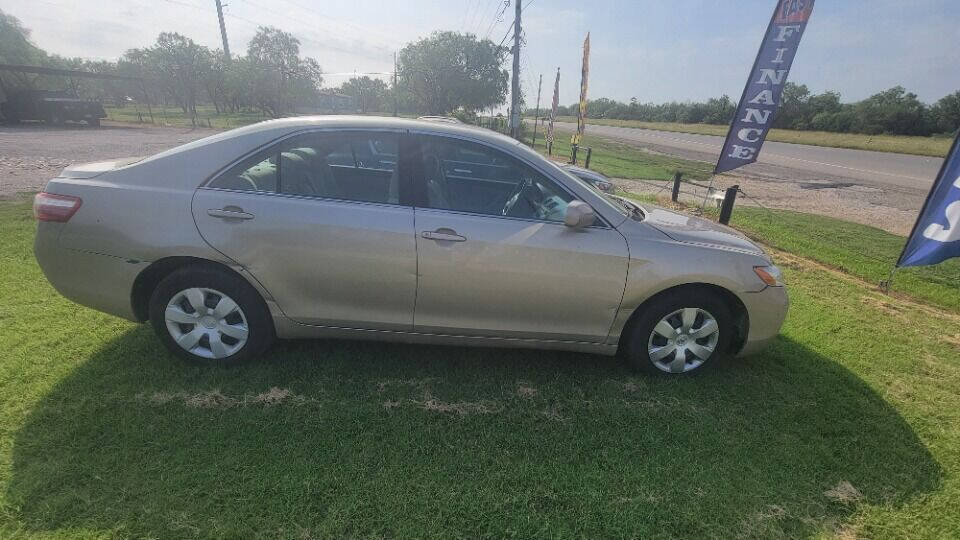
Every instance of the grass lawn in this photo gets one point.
(849, 425)
(206, 116)
(937, 146)
(620, 160)
(859, 250)
(174, 116)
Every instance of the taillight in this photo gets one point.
(50, 207)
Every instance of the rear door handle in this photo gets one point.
(444, 235)
(228, 214)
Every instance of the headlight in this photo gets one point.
(771, 275)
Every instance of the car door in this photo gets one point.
(328, 234)
(494, 257)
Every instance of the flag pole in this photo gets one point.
(885, 285)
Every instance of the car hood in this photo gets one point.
(694, 230)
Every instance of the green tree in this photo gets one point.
(177, 65)
(892, 111)
(368, 94)
(946, 113)
(450, 71)
(16, 48)
(280, 77)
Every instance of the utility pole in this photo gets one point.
(223, 31)
(396, 93)
(536, 117)
(515, 82)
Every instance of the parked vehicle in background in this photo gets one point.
(600, 181)
(403, 230)
(52, 107)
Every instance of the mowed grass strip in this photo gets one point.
(860, 250)
(620, 160)
(849, 424)
(936, 146)
(865, 252)
(206, 116)
(174, 116)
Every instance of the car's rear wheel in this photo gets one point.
(210, 316)
(680, 333)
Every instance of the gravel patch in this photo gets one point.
(31, 154)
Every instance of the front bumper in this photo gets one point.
(766, 310)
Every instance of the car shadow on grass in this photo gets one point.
(330, 438)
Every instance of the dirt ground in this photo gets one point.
(31, 154)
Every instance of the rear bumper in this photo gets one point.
(101, 282)
(767, 310)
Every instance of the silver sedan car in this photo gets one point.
(401, 230)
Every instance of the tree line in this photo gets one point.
(445, 73)
(895, 111)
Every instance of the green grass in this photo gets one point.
(173, 116)
(620, 160)
(859, 250)
(104, 434)
(937, 146)
(206, 116)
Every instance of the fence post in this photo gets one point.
(586, 163)
(573, 153)
(676, 186)
(550, 148)
(726, 209)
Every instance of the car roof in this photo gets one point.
(263, 132)
(366, 122)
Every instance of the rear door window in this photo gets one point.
(356, 166)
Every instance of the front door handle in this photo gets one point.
(444, 235)
(228, 214)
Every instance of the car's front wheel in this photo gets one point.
(680, 333)
(210, 316)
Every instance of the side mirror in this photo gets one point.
(579, 214)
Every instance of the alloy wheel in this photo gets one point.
(206, 323)
(683, 340)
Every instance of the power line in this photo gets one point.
(471, 15)
(482, 23)
(498, 18)
(510, 28)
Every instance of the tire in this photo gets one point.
(650, 350)
(205, 336)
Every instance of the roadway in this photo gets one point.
(902, 172)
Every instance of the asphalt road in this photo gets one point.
(863, 167)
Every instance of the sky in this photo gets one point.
(654, 50)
